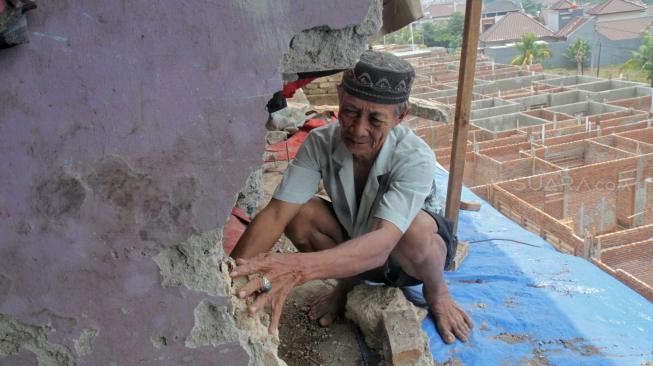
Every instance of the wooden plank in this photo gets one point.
(463, 107)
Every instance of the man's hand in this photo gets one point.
(284, 273)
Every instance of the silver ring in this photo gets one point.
(267, 286)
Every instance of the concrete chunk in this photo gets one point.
(404, 340)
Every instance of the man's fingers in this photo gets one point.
(260, 303)
(277, 307)
(244, 269)
(250, 287)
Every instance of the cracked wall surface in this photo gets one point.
(126, 129)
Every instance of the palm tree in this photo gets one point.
(578, 52)
(530, 50)
(642, 59)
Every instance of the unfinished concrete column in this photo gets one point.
(640, 193)
(565, 192)
(602, 215)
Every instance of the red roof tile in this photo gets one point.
(616, 6)
(513, 26)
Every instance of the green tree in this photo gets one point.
(445, 34)
(578, 53)
(455, 27)
(530, 51)
(531, 7)
(642, 59)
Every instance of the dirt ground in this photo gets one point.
(305, 342)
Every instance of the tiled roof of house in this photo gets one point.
(513, 26)
(616, 6)
(617, 30)
(570, 27)
(444, 10)
(500, 6)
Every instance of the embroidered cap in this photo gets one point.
(379, 77)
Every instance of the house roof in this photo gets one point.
(513, 26)
(616, 6)
(444, 10)
(570, 27)
(500, 6)
(618, 30)
(563, 5)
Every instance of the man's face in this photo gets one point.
(365, 125)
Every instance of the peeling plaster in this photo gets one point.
(84, 344)
(194, 264)
(15, 335)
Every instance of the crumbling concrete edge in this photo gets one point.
(429, 110)
(322, 48)
(200, 264)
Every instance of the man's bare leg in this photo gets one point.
(314, 229)
(421, 253)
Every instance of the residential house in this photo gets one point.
(510, 28)
(443, 11)
(617, 10)
(558, 14)
(500, 8)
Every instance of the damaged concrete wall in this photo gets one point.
(125, 129)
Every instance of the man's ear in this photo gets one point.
(403, 114)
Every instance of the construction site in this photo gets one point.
(566, 157)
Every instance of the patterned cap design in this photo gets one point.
(379, 77)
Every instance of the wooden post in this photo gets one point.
(463, 107)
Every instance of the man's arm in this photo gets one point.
(354, 256)
(265, 229)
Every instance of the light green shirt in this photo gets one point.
(400, 183)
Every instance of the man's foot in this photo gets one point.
(326, 308)
(450, 319)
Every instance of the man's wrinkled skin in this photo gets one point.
(324, 253)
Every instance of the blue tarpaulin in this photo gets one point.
(533, 305)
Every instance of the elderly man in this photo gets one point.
(380, 225)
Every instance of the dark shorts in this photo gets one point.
(391, 273)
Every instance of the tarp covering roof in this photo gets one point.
(533, 305)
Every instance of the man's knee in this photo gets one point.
(421, 239)
(299, 228)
